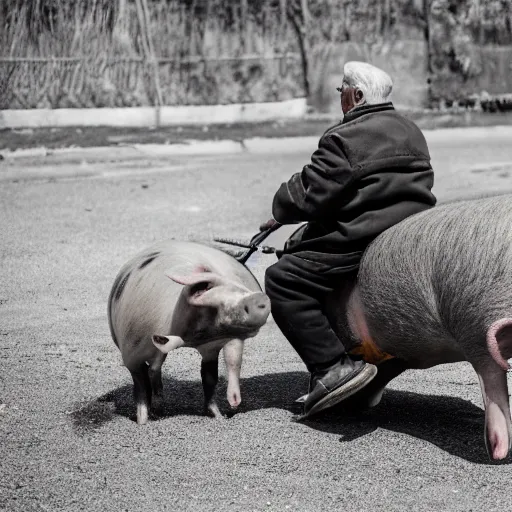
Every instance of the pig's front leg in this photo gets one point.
(157, 388)
(209, 378)
(233, 351)
(142, 392)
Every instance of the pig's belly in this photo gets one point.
(419, 351)
(409, 331)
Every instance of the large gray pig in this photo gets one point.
(184, 294)
(437, 288)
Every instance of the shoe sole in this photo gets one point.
(364, 377)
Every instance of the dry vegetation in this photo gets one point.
(141, 52)
(84, 53)
(146, 54)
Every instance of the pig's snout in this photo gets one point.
(256, 308)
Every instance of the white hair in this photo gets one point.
(375, 84)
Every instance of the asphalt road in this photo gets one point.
(67, 436)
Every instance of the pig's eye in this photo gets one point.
(201, 287)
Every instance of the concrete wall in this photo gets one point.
(490, 72)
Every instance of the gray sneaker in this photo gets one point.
(337, 383)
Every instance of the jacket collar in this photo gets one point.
(366, 109)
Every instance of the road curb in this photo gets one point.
(210, 147)
(257, 145)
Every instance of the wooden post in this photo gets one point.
(147, 43)
(300, 28)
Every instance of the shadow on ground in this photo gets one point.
(452, 424)
(184, 397)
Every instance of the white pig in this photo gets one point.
(184, 294)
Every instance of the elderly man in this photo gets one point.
(370, 171)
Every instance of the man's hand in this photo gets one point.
(267, 225)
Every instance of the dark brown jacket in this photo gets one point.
(369, 172)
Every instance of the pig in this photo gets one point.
(184, 294)
(437, 288)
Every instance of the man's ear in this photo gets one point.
(359, 97)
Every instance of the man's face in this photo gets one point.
(350, 97)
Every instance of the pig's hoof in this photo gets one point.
(157, 407)
(374, 400)
(363, 400)
(235, 410)
(142, 421)
(142, 414)
(213, 412)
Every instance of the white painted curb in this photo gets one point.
(150, 116)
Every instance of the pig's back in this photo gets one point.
(441, 277)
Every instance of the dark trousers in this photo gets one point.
(298, 289)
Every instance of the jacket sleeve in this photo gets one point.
(316, 192)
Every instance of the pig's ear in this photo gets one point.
(190, 279)
(197, 284)
(187, 275)
(167, 343)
